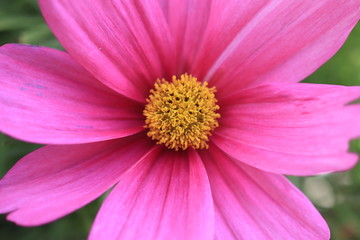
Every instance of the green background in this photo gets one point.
(337, 196)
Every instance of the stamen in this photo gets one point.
(182, 113)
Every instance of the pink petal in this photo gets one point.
(125, 44)
(56, 180)
(252, 204)
(259, 41)
(292, 129)
(46, 97)
(165, 196)
(187, 20)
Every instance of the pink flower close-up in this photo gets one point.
(189, 111)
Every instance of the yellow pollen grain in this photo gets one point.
(181, 113)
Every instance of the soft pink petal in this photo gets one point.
(165, 196)
(257, 41)
(252, 204)
(46, 97)
(125, 44)
(295, 128)
(187, 20)
(56, 180)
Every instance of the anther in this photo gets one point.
(181, 113)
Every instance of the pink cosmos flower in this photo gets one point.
(89, 104)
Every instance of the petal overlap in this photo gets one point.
(252, 42)
(187, 20)
(48, 98)
(296, 129)
(56, 180)
(253, 204)
(125, 44)
(165, 196)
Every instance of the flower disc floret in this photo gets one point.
(181, 113)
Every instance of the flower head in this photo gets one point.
(192, 110)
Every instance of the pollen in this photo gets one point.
(182, 113)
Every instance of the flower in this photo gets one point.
(95, 108)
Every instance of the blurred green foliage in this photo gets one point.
(21, 21)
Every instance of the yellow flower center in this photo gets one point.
(181, 113)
